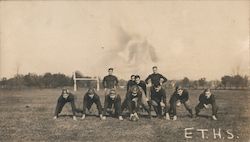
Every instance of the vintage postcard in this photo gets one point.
(126, 70)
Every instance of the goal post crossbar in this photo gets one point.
(85, 78)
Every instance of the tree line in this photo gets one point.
(49, 80)
(226, 82)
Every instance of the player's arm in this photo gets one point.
(105, 105)
(147, 79)
(104, 82)
(185, 96)
(129, 101)
(116, 81)
(163, 79)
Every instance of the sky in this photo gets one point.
(191, 39)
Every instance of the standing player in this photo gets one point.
(89, 98)
(110, 81)
(205, 99)
(64, 98)
(131, 82)
(158, 99)
(155, 77)
(112, 98)
(181, 95)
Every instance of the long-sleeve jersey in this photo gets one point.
(155, 78)
(158, 96)
(130, 99)
(110, 81)
(204, 100)
(130, 84)
(94, 99)
(183, 98)
(142, 84)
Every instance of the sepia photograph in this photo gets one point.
(125, 71)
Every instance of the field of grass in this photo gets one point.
(26, 115)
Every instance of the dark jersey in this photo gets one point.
(183, 98)
(155, 78)
(130, 99)
(130, 84)
(158, 96)
(142, 84)
(110, 81)
(204, 100)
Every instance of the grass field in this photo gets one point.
(27, 116)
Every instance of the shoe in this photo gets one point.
(83, 116)
(167, 116)
(175, 118)
(214, 117)
(55, 117)
(74, 118)
(120, 118)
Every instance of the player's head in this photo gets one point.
(65, 93)
(110, 71)
(179, 89)
(157, 87)
(155, 69)
(132, 77)
(137, 79)
(112, 94)
(207, 92)
(91, 92)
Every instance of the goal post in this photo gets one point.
(95, 78)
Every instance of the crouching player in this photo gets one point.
(89, 98)
(64, 98)
(112, 98)
(158, 99)
(205, 99)
(134, 101)
(179, 96)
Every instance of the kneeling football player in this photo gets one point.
(158, 99)
(179, 96)
(205, 99)
(89, 98)
(64, 98)
(134, 101)
(112, 98)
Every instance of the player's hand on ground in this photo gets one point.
(83, 116)
(103, 117)
(167, 116)
(74, 118)
(214, 117)
(175, 118)
(55, 117)
(120, 118)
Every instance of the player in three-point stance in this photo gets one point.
(112, 99)
(158, 99)
(65, 97)
(205, 99)
(134, 101)
(180, 96)
(89, 99)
